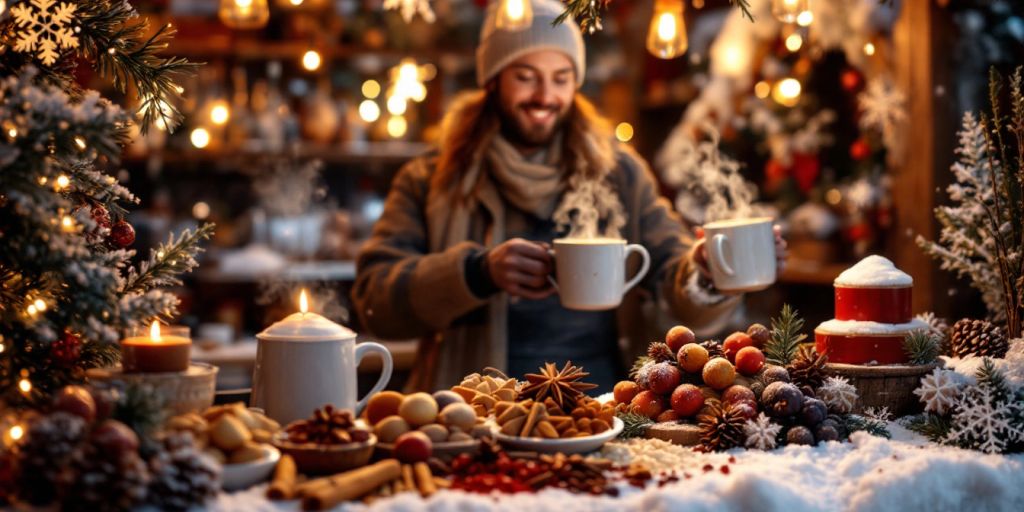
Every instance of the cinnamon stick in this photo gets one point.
(407, 479)
(424, 479)
(351, 484)
(282, 486)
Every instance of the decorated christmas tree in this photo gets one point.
(68, 288)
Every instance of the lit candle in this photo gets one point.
(158, 351)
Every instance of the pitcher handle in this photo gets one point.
(639, 249)
(717, 252)
(385, 374)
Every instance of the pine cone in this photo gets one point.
(182, 476)
(107, 482)
(807, 368)
(660, 352)
(42, 466)
(721, 427)
(977, 337)
(714, 348)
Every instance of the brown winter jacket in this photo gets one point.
(406, 289)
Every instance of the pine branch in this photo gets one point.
(114, 39)
(636, 425)
(921, 347)
(785, 339)
(168, 261)
(140, 408)
(99, 355)
(932, 426)
(856, 422)
(990, 376)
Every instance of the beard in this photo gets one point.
(521, 129)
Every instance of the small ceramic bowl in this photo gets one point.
(324, 459)
(247, 474)
(570, 445)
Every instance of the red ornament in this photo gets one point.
(100, 216)
(774, 173)
(122, 234)
(851, 80)
(67, 349)
(806, 169)
(860, 149)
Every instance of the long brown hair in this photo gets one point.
(474, 118)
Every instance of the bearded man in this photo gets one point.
(460, 256)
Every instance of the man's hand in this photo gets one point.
(520, 267)
(700, 254)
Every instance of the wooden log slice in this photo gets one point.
(682, 434)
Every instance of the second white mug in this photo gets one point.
(741, 253)
(591, 272)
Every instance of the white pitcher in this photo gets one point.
(307, 361)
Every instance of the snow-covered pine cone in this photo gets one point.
(977, 337)
(42, 467)
(182, 476)
(721, 427)
(107, 482)
(807, 368)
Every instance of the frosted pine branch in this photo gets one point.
(165, 263)
(135, 310)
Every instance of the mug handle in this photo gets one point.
(717, 251)
(385, 375)
(639, 249)
(551, 280)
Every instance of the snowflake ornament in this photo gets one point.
(985, 423)
(409, 8)
(937, 327)
(939, 391)
(878, 413)
(838, 394)
(883, 107)
(761, 432)
(43, 31)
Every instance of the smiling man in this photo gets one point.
(460, 255)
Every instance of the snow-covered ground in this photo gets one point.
(866, 474)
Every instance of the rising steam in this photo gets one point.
(588, 204)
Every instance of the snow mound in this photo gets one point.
(874, 270)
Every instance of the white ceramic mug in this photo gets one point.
(741, 253)
(591, 272)
(301, 368)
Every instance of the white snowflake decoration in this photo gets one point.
(761, 432)
(838, 394)
(937, 327)
(878, 413)
(861, 193)
(984, 423)
(42, 31)
(883, 107)
(409, 8)
(939, 391)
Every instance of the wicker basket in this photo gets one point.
(884, 386)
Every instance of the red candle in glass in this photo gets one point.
(162, 349)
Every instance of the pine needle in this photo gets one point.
(921, 347)
(636, 425)
(932, 426)
(785, 339)
(856, 422)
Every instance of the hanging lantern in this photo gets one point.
(244, 14)
(787, 11)
(666, 36)
(514, 15)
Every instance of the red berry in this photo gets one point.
(747, 408)
(625, 391)
(67, 349)
(679, 336)
(850, 79)
(122, 234)
(749, 360)
(663, 378)
(734, 343)
(76, 400)
(413, 447)
(737, 393)
(687, 400)
(648, 404)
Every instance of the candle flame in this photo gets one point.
(154, 331)
(303, 302)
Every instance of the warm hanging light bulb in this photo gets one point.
(666, 37)
(787, 92)
(244, 14)
(787, 11)
(514, 15)
(220, 112)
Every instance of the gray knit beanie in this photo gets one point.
(498, 48)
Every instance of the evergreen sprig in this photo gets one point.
(168, 261)
(932, 426)
(856, 422)
(636, 425)
(990, 376)
(786, 337)
(921, 347)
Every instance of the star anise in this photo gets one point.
(562, 386)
